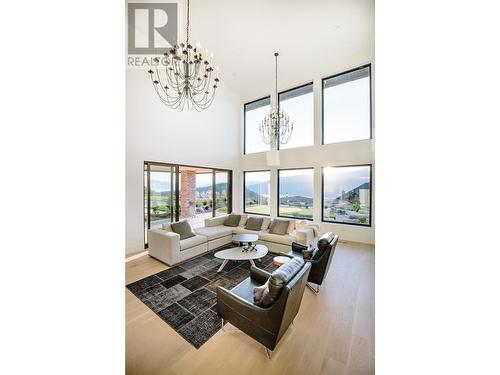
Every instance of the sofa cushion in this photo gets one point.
(192, 242)
(213, 233)
(167, 227)
(279, 279)
(183, 229)
(279, 226)
(291, 227)
(232, 220)
(285, 239)
(243, 230)
(254, 223)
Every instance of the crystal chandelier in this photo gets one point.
(189, 77)
(276, 127)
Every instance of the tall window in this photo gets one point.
(295, 192)
(256, 192)
(298, 103)
(347, 106)
(254, 114)
(347, 195)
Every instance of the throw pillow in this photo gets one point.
(279, 279)
(258, 291)
(243, 221)
(309, 252)
(183, 229)
(232, 220)
(265, 223)
(279, 226)
(254, 223)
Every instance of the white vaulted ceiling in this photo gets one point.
(315, 38)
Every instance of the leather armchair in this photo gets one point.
(320, 266)
(265, 324)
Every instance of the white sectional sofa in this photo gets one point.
(166, 246)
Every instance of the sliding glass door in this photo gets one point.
(159, 195)
(176, 192)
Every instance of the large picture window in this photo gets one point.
(254, 113)
(295, 192)
(256, 192)
(298, 104)
(347, 106)
(347, 195)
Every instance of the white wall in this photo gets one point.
(157, 133)
(317, 156)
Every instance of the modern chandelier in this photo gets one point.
(189, 78)
(276, 127)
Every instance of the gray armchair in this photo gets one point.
(265, 324)
(321, 261)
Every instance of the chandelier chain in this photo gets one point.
(187, 23)
(276, 127)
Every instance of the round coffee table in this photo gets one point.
(249, 239)
(236, 253)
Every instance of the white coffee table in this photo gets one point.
(247, 238)
(238, 253)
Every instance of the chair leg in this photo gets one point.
(315, 290)
(222, 324)
(268, 352)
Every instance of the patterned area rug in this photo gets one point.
(185, 296)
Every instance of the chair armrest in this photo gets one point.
(215, 221)
(297, 247)
(232, 307)
(305, 236)
(164, 246)
(259, 274)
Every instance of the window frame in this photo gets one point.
(244, 192)
(369, 66)
(245, 123)
(278, 189)
(323, 195)
(311, 83)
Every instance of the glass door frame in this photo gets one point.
(176, 171)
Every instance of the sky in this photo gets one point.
(344, 178)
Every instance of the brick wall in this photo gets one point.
(187, 197)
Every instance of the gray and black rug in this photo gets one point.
(185, 296)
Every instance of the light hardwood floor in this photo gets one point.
(333, 332)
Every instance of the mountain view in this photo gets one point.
(346, 195)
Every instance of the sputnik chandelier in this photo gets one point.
(189, 78)
(276, 127)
